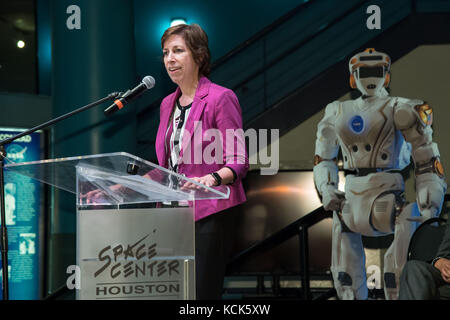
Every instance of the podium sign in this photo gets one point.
(137, 254)
(129, 247)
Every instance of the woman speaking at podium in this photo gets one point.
(198, 105)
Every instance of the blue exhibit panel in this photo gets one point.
(24, 211)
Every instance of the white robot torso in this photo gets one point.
(368, 136)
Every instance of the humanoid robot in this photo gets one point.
(377, 135)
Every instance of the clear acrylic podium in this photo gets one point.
(135, 239)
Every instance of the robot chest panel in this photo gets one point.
(366, 134)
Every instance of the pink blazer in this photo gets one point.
(215, 114)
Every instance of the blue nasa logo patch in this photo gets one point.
(357, 124)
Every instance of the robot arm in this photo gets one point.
(326, 176)
(413, 118)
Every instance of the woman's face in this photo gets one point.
(178, 60)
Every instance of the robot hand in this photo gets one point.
(332, 198)
(430, 191)
(425, 214)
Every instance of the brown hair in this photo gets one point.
(197, 42)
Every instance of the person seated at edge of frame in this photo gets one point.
(199, 104)
(428, 281)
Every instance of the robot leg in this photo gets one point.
(396, 255)
(348, 262)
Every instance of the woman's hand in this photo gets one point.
(94, 196)
(208, 180)
(226, 174)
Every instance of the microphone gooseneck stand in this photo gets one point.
(3, 229)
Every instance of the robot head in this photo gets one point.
(369, 71)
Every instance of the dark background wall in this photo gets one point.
(227, 23)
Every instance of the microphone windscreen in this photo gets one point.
(149, 82)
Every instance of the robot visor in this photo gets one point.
(371, 72)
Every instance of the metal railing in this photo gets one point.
(298, 228)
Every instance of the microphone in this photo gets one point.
(147, 83)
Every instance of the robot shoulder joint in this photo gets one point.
(406, 115)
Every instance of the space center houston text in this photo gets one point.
(145, 275)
